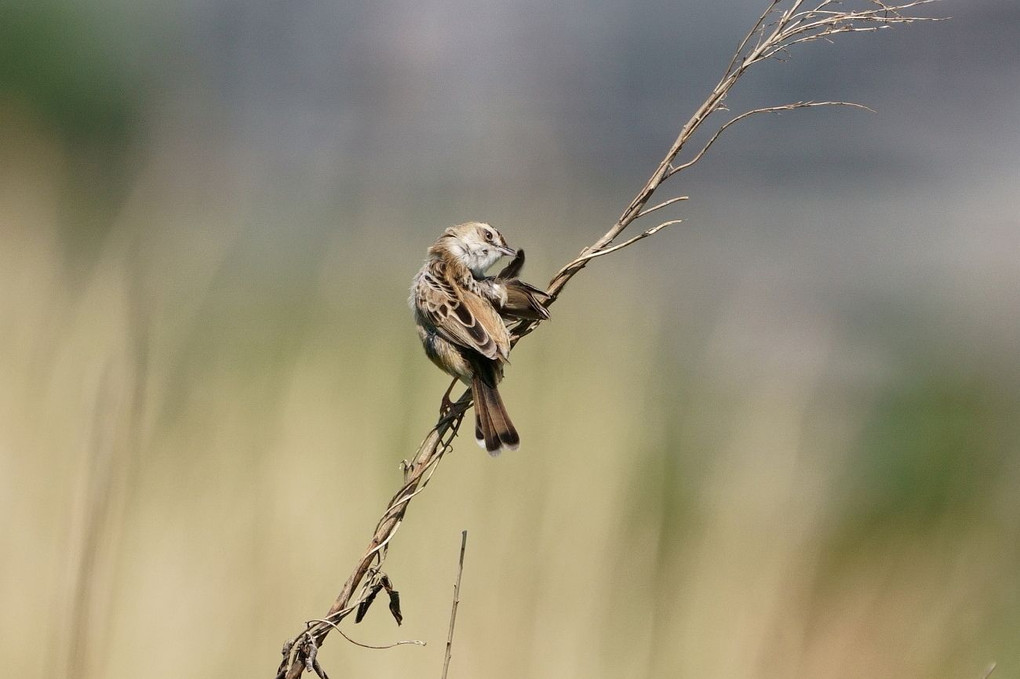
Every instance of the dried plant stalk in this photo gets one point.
(782, 25)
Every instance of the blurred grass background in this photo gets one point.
(780, 440)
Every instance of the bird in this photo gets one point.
(461, 316)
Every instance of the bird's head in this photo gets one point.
(476, 245)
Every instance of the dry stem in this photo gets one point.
(456, 602)
(784, 23)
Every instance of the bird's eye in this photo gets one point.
(488, 236)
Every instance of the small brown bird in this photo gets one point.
(460, 316)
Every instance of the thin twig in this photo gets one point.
(766, 109)
(665, 203)
(456, 602)
(406, 642)
(619, 246)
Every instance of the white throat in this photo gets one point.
(478, 258)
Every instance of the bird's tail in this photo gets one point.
(493, 429)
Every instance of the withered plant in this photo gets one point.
(783, 25)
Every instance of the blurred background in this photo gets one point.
(781, 439)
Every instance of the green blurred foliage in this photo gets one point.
(929, 449)
(64, 66)
(56, 58)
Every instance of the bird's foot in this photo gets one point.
(446, 405)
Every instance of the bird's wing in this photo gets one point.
(462, 317)
(524, 301)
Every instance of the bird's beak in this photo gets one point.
(508, 251)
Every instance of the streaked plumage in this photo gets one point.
(458, 312)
